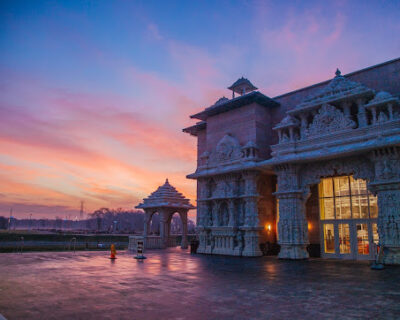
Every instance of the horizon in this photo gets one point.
(94, 95)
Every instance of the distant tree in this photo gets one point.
(128, 221)
(3, 223)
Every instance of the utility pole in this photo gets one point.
(9, 220)
(81, 212)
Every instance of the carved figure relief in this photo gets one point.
(227, 149)
(329, 119)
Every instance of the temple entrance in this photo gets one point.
(348, 218)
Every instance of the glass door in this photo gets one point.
(344, 240)
(362, 241)
(348, 213)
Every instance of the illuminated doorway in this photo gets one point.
(348, 217)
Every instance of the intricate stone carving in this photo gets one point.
(227, 149)
(287, 121)
(359, 167)
(292, 224)
(328, 120)
(387, 163)
(387, 187)
(338, 88)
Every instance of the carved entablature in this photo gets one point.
(328, 119)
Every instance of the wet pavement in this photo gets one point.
(173, 284)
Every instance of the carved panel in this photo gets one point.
(228, 149)
(328, 119)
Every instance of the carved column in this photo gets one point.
(361, 115)
(346, 109)
(292, 225)
(202, 213)
(163, 231)
(146, 221)
(184, 242)
(204, 221)
(303, 127)
(251, 227)
(202, 194)
(214, 213)
(231, 213)
(387, 187)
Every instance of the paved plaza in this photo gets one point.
(172, 284)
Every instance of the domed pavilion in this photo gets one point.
(165, 201)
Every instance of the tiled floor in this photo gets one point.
(173, 284)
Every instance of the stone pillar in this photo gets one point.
(146, 221)
(251, 228)
(202, 213)
(231, 213)
(361, 115)
(303, 126)
(386, 186)
(184, 243)
(214, 213)
(292, 225)
(202, 194)
(163, 231)
(202, 232)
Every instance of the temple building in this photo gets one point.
(316, 170)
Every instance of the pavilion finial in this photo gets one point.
(166, 180)
(338, 73)
(242, 86)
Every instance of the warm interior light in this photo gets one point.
(268, 227)
(309, 226)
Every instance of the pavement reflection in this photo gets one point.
(173, 284)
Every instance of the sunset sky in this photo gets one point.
(94, 94)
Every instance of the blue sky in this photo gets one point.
(95, 93)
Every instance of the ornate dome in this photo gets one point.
(382, 95)
(286, 122)
(250, 144)
(380, 98)
(165, 196)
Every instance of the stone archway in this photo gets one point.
(182, 214)
(166, 200)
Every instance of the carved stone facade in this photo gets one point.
(349, 126)
(387, 187)
(228, 214)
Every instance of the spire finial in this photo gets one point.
(338, 73)
(166, 181)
